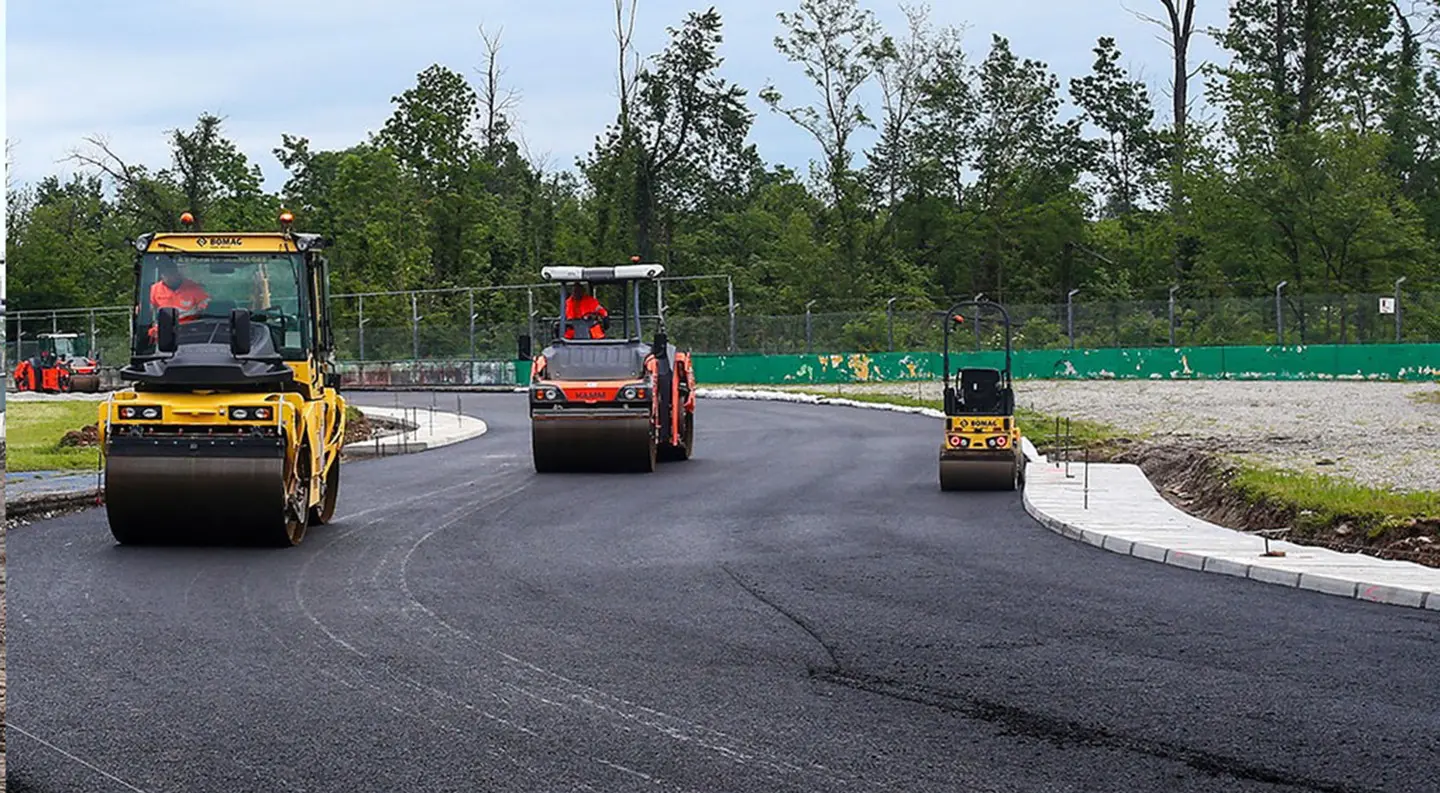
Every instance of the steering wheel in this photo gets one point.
(267, 312)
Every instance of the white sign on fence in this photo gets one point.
(1387, 305)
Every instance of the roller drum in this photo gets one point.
(196, 493)
(979, 472)
(85, 383)
(593, 443)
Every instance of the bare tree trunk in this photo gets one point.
(496, 103)
(1181, 27)
(1180, 24)
(1279, 69)
(624, 33)
(1310, 60)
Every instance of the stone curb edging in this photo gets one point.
(1375, 593)
(1387, 594)
(26, 506)
(468, 427)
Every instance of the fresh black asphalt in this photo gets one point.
(797, 608)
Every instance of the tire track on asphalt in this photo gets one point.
(407, 694)
(555, 689)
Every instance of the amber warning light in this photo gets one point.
(287, 218)
(187, 218)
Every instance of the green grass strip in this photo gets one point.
(33, 432)
(1323, 501)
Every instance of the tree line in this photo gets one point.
(989, 174)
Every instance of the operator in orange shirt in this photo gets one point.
(582, 305)
(174, 290)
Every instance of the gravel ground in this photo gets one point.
(1379, 434)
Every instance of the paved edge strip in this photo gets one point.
(1387, 594)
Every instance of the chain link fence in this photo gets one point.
(487, 323)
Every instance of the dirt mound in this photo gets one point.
(358, 427)
(1201, 484)
(87, 436)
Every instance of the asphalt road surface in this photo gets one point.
(798, 608)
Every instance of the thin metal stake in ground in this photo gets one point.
(1068, 475)
(1087, 477)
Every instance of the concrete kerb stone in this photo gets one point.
(1196, 544)
(1396, 583)
(449, 428)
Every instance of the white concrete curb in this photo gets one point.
(448, 428)
(1156, 530)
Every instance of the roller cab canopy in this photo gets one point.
(250, 308)
(601, 275)
(230, 242)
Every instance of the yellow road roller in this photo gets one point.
(233, 427)
(982, 449)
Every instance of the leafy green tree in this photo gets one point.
(678, 147)
(837, 43)
(1129, 155)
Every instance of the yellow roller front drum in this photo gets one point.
(192, 468)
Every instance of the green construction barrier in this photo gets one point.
(1317, 362)
(1329, 362)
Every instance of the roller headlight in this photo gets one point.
(140, 412)
(629, 392)
(249, 413)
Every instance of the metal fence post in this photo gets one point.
(1172, 314)
(1398, 282)
(1279, 315)
(471, 293)
(730, 291)
(415, 325)
(360, 326)
(890, 321)
(530, 316)
(1070, 315)
(976, 323)
(809, 346)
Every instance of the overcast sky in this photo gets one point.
(327, 69)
